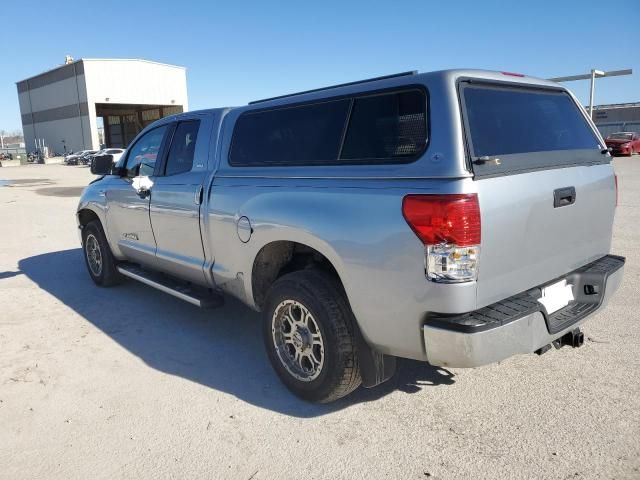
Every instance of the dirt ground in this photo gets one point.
(129, 382)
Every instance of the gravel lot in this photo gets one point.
(131, 383)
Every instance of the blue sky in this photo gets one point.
(236, 51)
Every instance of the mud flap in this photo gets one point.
(375, 367)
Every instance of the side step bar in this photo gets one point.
(200, 297)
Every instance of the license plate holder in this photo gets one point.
(556, 296)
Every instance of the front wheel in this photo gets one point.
(309, 336)
(98, 256)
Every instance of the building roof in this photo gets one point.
(613, 106)
(131, 60)
(59, 67)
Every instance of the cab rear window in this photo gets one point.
(509, 122)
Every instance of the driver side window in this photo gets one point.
(141, 160)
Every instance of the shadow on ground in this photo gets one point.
(8, 274)
(220, 348)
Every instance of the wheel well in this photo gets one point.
(279, 258)
(85, 216)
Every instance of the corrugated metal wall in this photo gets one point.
(617, 119)
(612, 127)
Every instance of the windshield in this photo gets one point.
(620, 136)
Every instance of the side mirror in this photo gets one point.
(102, 165)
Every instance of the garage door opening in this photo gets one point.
(122, 122)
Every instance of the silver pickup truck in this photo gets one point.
(457, 217)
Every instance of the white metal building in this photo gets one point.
(89, 102)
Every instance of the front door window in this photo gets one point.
(141, 160)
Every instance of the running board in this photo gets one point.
(200, 297)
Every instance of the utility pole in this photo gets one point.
(594, 74)
(592, 77)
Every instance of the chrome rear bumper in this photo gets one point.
(452, 347)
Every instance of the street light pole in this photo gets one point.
(594, 73)
(592, 76)
(591, 92)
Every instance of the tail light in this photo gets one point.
(449, 227)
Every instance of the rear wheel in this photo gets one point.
(98, 256)
(309, 336)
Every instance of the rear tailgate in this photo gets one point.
(546, 192)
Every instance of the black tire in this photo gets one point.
(322, 296)
(93, 236)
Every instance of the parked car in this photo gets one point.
(74, 158)
(363, 234)
(116, 153)
(85, 158)
(623, 143)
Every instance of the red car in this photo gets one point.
(623, 143)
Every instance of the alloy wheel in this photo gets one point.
(94, 255)
(298, 340)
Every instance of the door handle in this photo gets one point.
(143, 193)
(142, 186)
(564, 196)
